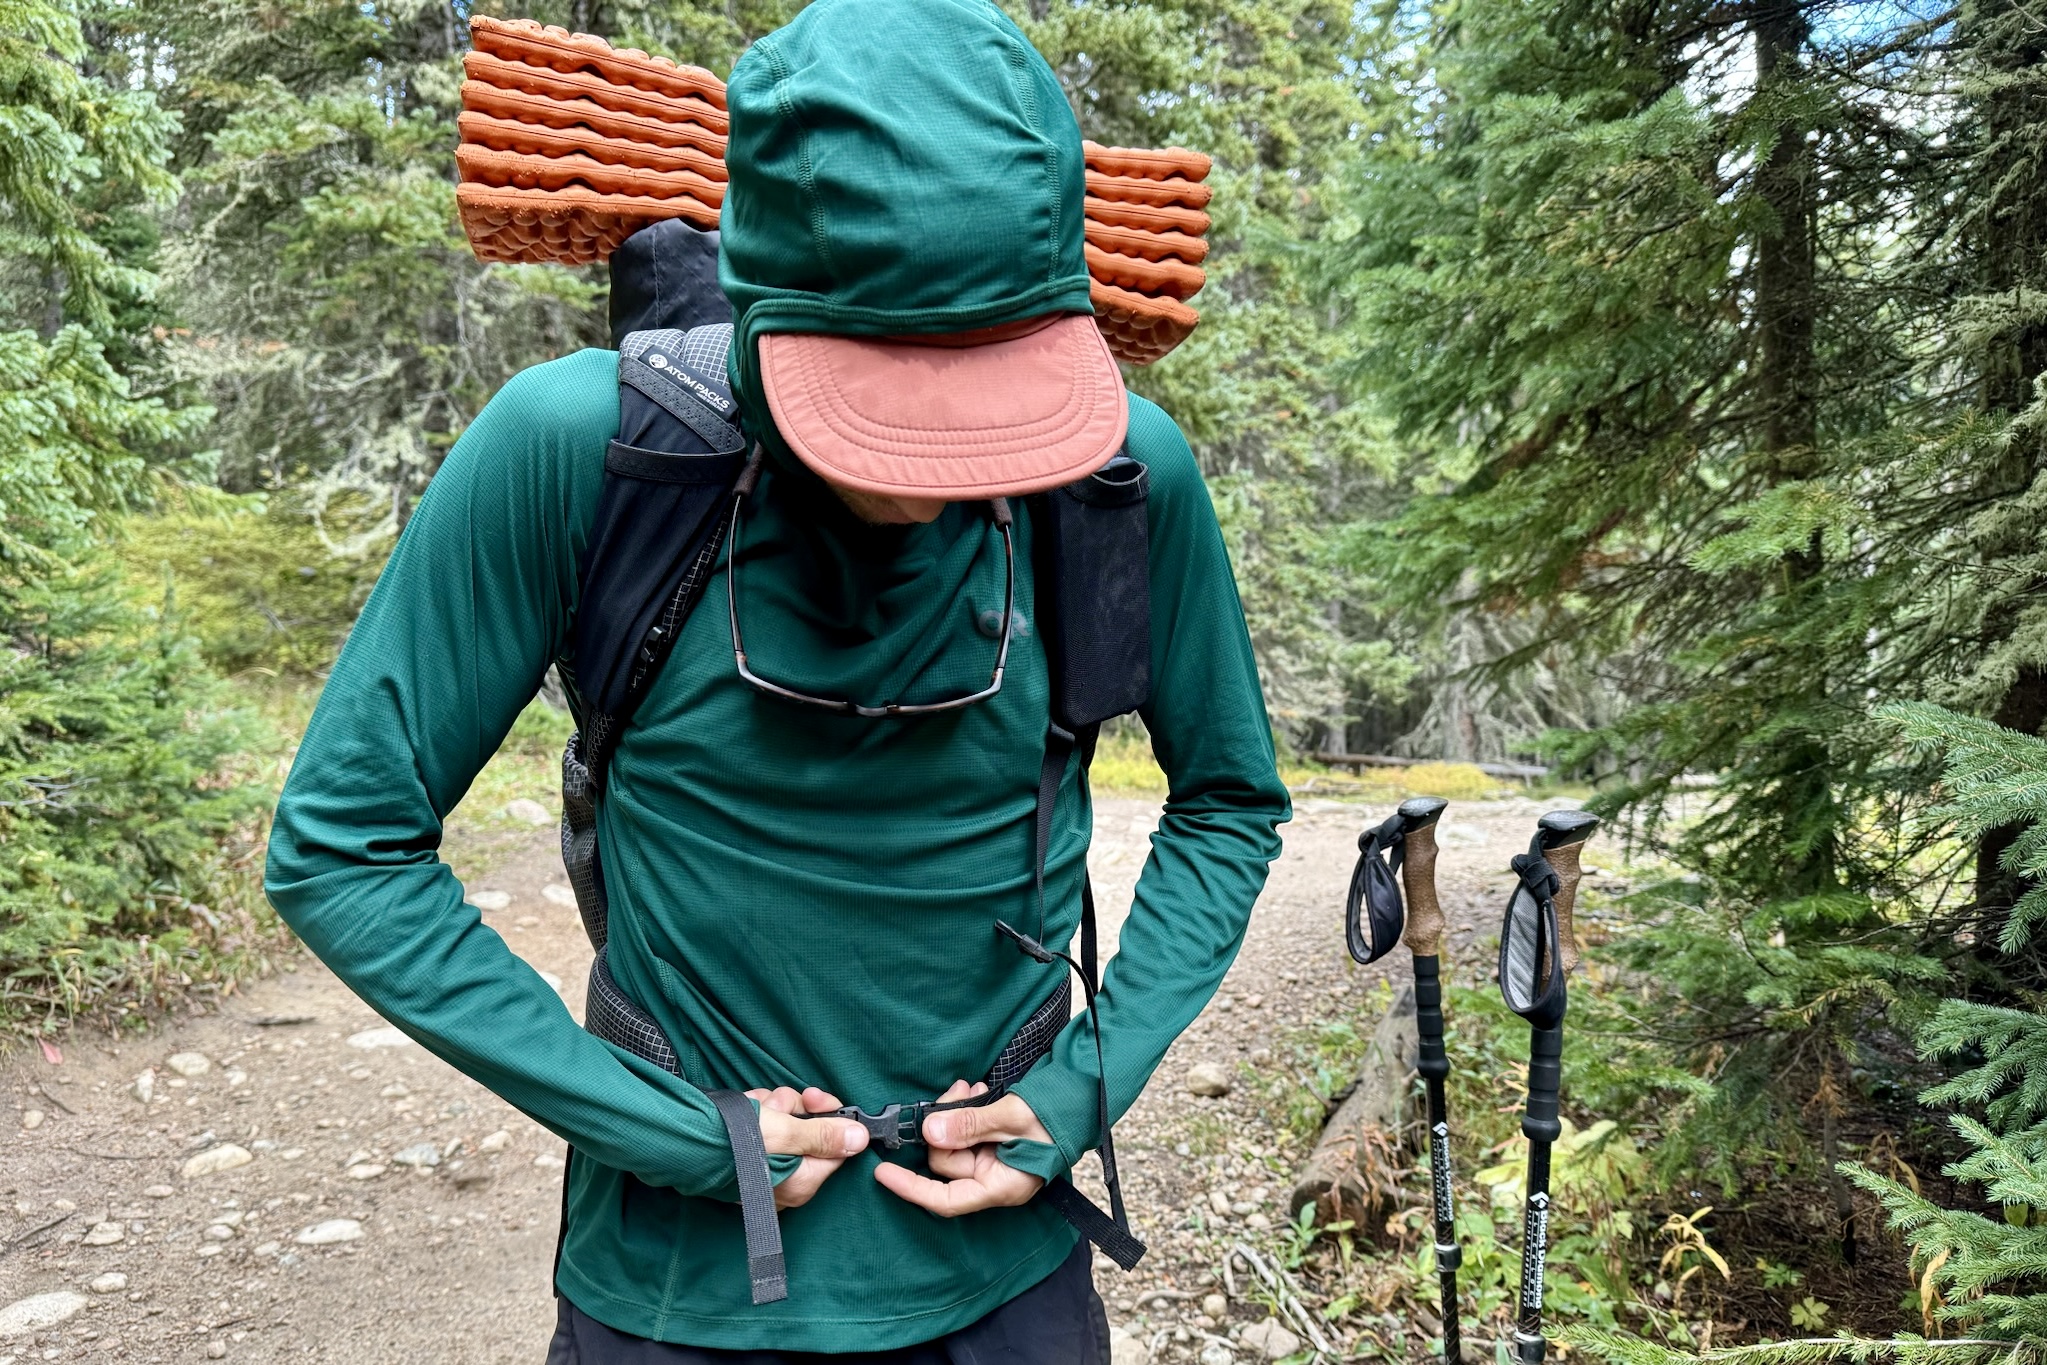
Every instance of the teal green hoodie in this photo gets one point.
(797, 897)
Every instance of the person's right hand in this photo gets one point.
(824, 1144)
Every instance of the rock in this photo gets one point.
(113, 1282)
(143, 1087)
(490, 900)
(219, 1232)
(214, 1160)
(210, 1249)
(1269, 1337)
(105, 1234)
(495, 1142)
(1219, 1202)
(1257, 1222)
(469, 1176)
(268, 1248)
(1216, 1306)
(558, 895)
(370, 1039)
(38, 1311)
(189, 1064)
(229, 1218)
(418, 1154)
(366, 1170)
(1241, 1207)
(330, 1232)
(1125, 1349)
(31, 1119)
(158, 1192)
(216, 1350)
(548, 1159)
(1208, 1079)
(234, 1076)
(529, 810)
(292, 1153)
(1215, 1353)
(396, 1090)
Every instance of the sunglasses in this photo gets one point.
(999, 512)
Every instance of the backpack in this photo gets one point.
(672, 481)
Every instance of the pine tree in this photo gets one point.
(111, 732)
(1682, 348)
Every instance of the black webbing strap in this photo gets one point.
(1110, 1232)
(684, 406)
(1059, 744)
(1110, 1238)
(764, 1264)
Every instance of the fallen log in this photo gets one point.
(1353, 1173)
(1359, 762)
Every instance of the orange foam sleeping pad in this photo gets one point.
(570, 145)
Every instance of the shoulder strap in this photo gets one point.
(653, 544)
(1093, 602)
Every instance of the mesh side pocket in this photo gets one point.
(617, 1020)
(579, 843)
(1033, 1040)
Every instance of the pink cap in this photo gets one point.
(991, 413)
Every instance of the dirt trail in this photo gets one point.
(451, 1197)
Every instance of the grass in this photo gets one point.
(1124, 766)
(482, 830)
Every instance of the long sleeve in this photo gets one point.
(1219, 829)
(475, 602)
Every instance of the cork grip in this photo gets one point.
(1424, 933)
(1563, 837)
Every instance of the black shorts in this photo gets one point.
(1057, 1321)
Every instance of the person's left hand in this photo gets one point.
(962, 1143)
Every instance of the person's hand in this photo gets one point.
(962, 1144)
(824, 1144)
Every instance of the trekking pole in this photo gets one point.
(1424, 937)
(1537, 951)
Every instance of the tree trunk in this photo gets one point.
(1784, 249)
(1786, 302)
(2011, 238)
(2024, 708)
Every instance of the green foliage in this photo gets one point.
(252, 578)
(64, 136)
(113, 736)
(1987, 1273)
(331, 308)
(117, 810)
(1626, 1350)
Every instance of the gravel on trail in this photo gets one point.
(283, 1176)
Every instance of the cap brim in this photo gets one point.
(1001, 418)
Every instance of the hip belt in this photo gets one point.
(611, 1015)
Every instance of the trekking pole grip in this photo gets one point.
(1563, 834)
(1424, 932)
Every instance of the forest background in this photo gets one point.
(1655, 387)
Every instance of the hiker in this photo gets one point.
(802, 900)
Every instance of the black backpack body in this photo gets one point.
(671, 482)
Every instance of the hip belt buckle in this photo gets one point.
(895, 1127)
(899, 1125)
